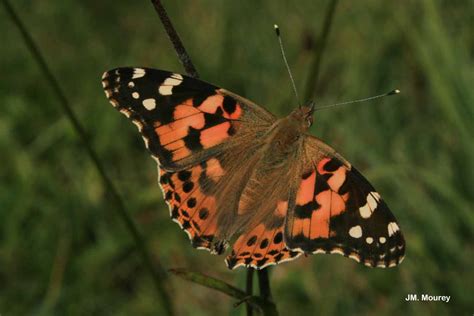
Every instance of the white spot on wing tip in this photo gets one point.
(166, 88)
(382, 240)
(392, 228)
(105, 75)
(355, 232)
(138, 73)
(149, 104)
(135, 95)
(370, 206)
(177, 76)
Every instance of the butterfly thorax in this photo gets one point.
(284, 136)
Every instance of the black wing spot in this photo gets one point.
(164, 178)
(321, 183)
(184, 175)
(252, 241)
(188, 186)
(229, 104)
(175, 212)
(278, 238)
(193, 139)
(191, 202)
(264, 243)
(332, 165)
(306, 210)
(203, 213)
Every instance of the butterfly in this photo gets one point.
(233, 173)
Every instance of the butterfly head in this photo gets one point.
(304, 115)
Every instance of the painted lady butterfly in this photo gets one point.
(232, 171)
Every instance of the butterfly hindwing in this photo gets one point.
(338, 211)
(189, 194)
(263, 245)
(182, 120)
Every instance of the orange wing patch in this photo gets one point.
(198, 127)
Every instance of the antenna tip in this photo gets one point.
(277, 29)
(396, 91)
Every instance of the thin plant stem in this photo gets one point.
(175, 40)
(315, 69)
(157, 272)
(267, 308)
(249, 289)
(264, 284)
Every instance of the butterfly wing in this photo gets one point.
(183, 120)
(338, 211)
(263, 245)
(194, 130)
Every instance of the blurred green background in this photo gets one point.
(63, 249)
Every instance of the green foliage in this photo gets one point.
(64, 251)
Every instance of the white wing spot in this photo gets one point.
(135, 95)
(392, 228)
(149, 104)
(369, 207)
(138, 124)
(355, 232)
(355, 257)
(338, 251)
(131, 84)
(382, 240)
(138, 73)
(166, 88)
(369, 240)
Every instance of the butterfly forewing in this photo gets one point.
(182, 120)
(338, 211)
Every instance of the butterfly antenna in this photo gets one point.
(396, 91)
(277, 30)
